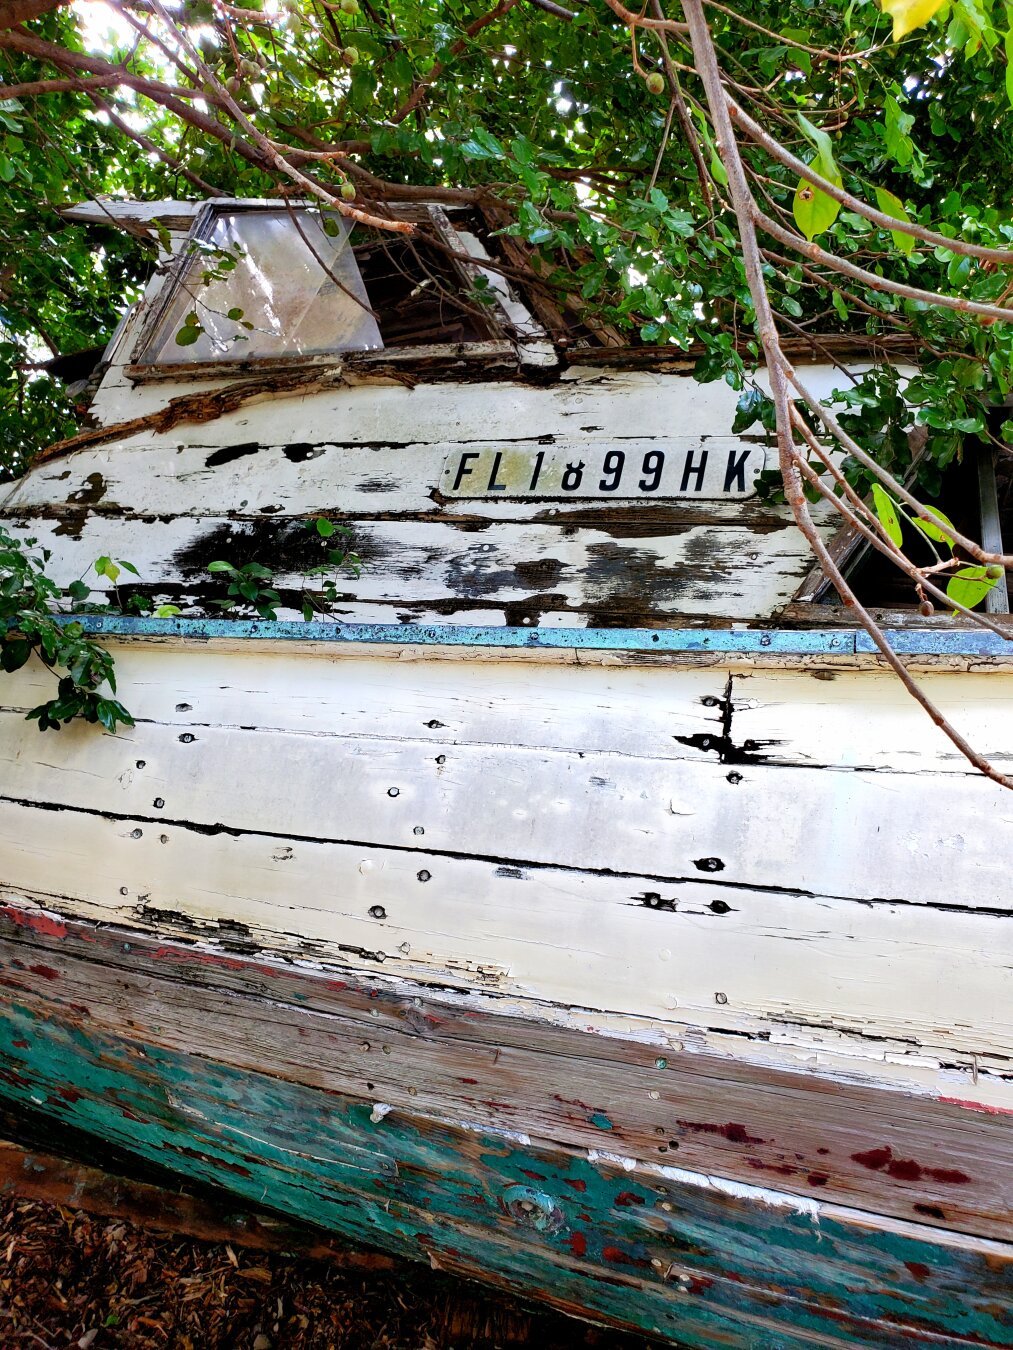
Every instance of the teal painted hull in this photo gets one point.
(698, 1264)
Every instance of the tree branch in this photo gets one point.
(778, 370)
(14, 12)
(815, 254)
(879, 218)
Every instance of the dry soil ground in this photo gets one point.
(68, 1279)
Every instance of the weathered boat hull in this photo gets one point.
(662, 976)
(702, 1261)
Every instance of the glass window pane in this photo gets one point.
(298, 286)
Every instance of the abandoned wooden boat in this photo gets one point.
(572, 905)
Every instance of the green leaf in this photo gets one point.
(887, 513)
(813, 209)
(747, 410)
(105, 567)
(908, 15)
(187, 336)
(970, 585)
(482, 145)
(933, 531)
(893, 206)
(896, 126)
(324, 528)
(167, 611)
(7, 169)
(817, 137)
(235, 313)
(220, 567)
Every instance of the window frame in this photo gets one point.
(500, 344)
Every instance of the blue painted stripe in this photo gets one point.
(786, 641)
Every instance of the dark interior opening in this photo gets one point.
(878, 582)
(416, 291)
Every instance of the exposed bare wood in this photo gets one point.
(53, 1180)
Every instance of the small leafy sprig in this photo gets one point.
(251, 585)
(29, 623)
(966, 585)
(246, 590)
(336, 559)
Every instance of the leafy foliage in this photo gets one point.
(966, 586)
(251, 584)
(29, 625)
(554, 122)
(36, 618)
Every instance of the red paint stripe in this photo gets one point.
(978, 1106)
(37, 920)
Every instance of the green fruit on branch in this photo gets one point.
(348, 192)
(350, 56)
(655, 82)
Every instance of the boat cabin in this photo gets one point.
(492, 471)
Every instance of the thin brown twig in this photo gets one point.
(418, 93)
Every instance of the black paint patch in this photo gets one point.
(72, 523)
(652, 900)
(749, 752)
(92, 492)
(526, 613)
(720, 741)
(228, 453)
(540, 574)
(284, 545)
(299, 454)
(709, 865)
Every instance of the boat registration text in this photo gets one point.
(711, 467)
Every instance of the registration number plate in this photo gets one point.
(718, 467)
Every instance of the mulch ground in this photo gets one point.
(71, 1280)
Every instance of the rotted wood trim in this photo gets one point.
(30, 1175)
(900, 1153)
(698, 1260)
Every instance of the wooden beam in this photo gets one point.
(997, 600)
(53, 1180)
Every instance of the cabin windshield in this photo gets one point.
(281, 285)
(260, 285)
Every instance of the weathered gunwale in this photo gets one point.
(974, 643)
(456, 1056)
